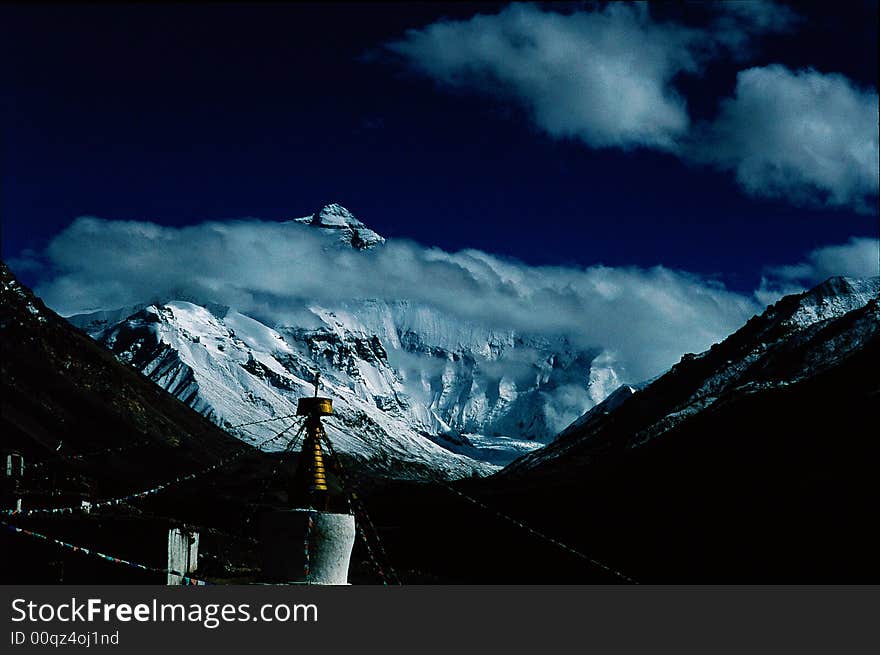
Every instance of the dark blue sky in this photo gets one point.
(181, 113)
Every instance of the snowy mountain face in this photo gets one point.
(793, 340)
(414, 389)
(341, 226)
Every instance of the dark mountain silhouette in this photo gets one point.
(63, 394)
(90, 427)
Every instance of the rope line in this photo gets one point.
(265, 420)
(141, 442)
(273, 438)
(359, 524)
(147, 492)
(539, 534)
(181, 522)
(116, 501)
(288, 450)
(187, 580)
(358, 507)
(355, 504)
(94, 453)
(310, 526)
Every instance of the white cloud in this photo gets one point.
(805, 136)
(646, 317)
(739, 21)
(601, 76)
(606, 77)
(858, 257)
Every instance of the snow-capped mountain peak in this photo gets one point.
(415, 386)
(412, 387)
(335, 215)
(337, 221)
(834, 297)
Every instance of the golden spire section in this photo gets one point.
(310, 482)
(317, 477)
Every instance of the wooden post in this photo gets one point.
(183, 554)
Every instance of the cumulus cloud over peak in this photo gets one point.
(803, 135)
(601, 76)
(644, 318)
